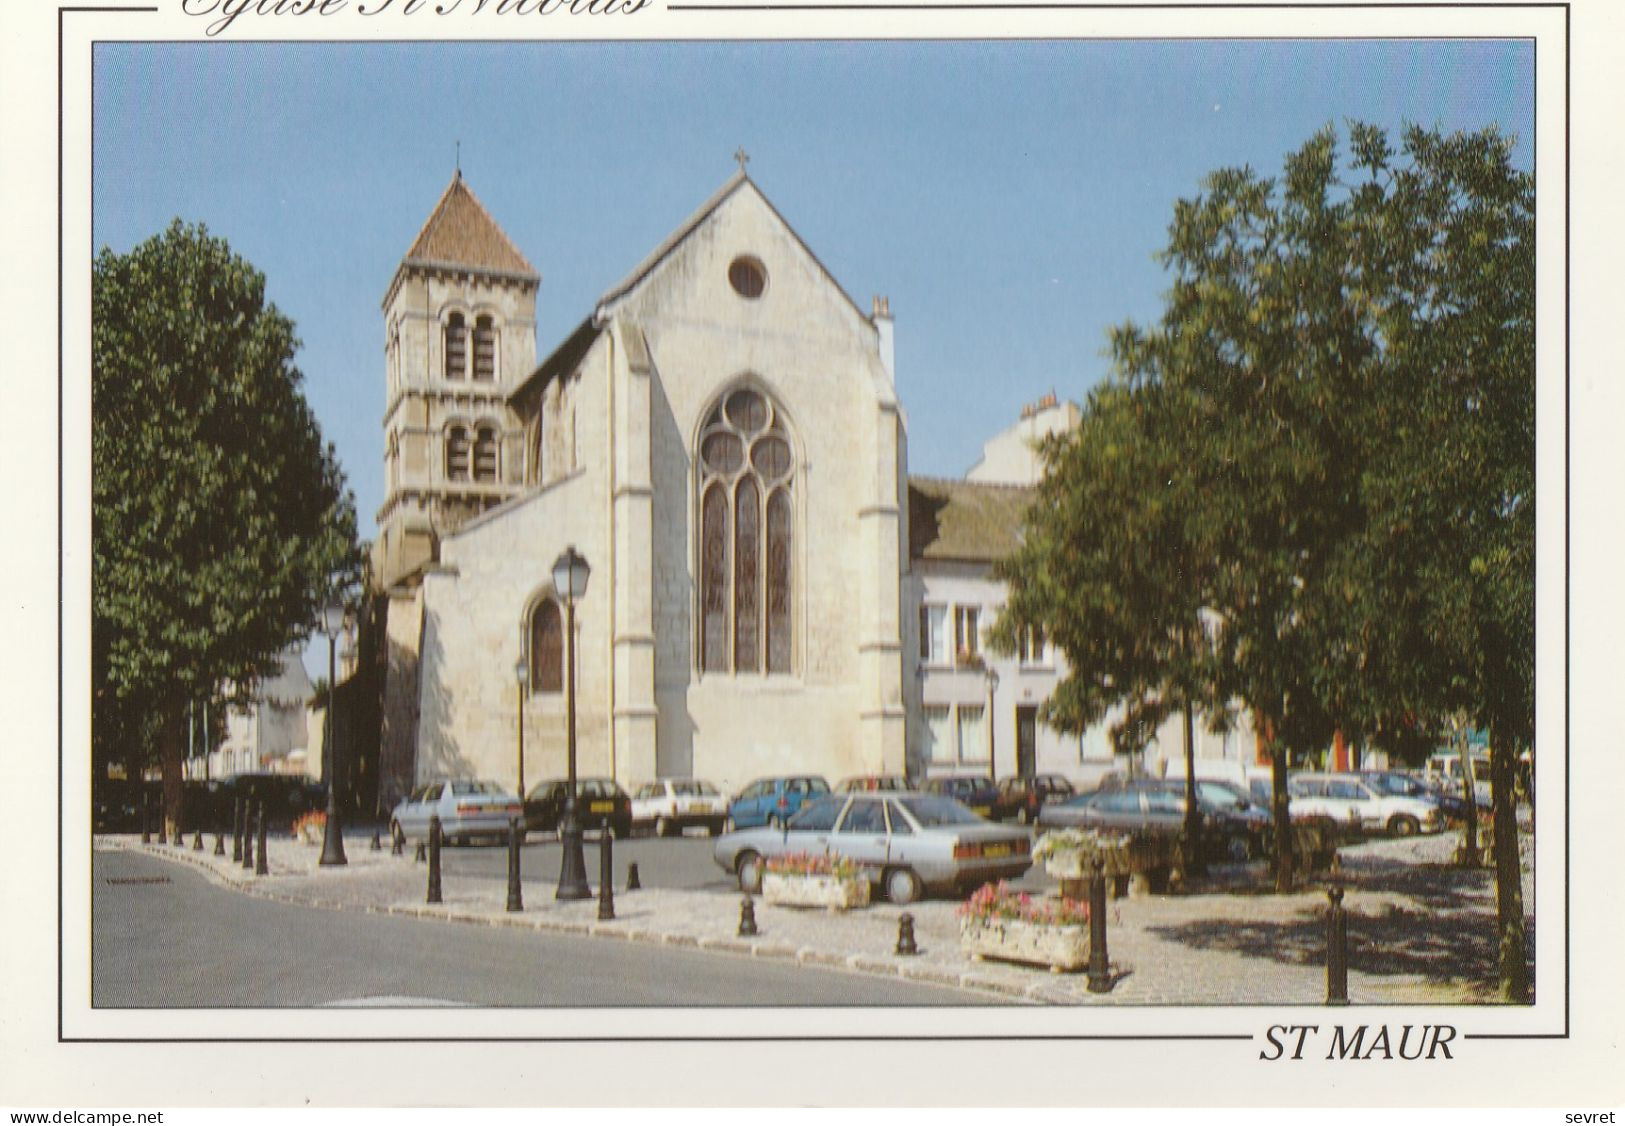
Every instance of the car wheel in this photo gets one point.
(1402, 825)
(662, 827)
(903, 886)
(749, 865)
(1237, 849)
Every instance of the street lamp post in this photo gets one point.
(332, 831)
(570, 573)
(521, 669)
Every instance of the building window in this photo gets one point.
(456, 346)
(457, 454)
(972, 732)
(485, 349)
(1032, 648)
(748, 277)
(939, 734)
(933, 635)
(967, 634)
(746, 537)
(485, 454)
(546, 648)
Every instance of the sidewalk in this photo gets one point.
(1419, 931)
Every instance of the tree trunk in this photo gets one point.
(1508, 873)
(1193, 815)
(171, 745)
(1283, 821)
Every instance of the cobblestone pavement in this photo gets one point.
(1420, 930)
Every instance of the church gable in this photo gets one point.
(736, 259)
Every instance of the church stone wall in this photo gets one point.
(806, 345)
(475, 605)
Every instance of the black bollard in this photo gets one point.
(163, 825)
(1337, 950)
(396, 845)
(1100, 978)
(747, 918)
(905, 935)
(248, 838)
(606, 873)
(262, 866)
(632, 882)
(377, 845)
(220, 844)
(146, 820)
(236, 830)
(434, 860)
(419, 855)
(197, 841)
(516, 899)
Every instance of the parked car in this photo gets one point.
(773, 801)
(467, 809)
(975, 793)
(869, 783)
(907, 843)
(1228, 828)
(676, 803)
(598, 800)
(116, 804)
(1021, 798)
(287, 797)
(1356, 805)
(1400, 784)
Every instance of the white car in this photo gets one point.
(673, 804)
(1355, 804)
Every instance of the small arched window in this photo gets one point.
(456, 346)
(457, 454)
(485, 349)
(746, 516)
(485, 454)
(546, 648)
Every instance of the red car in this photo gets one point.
(1022, 798)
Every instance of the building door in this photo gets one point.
(1026, 741)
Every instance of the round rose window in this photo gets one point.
(747, 277)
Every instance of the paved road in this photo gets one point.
(163, 936)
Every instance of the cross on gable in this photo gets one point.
(742, 157)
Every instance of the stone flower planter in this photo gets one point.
(1062, 948)
(784, 890)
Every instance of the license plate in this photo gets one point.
(601, 807)
(996, 850)
(984, 810)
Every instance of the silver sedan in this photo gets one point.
(905, 842)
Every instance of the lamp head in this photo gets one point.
(333, 618)
(570, 572)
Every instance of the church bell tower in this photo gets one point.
(460, 335)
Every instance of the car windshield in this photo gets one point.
(694, 789)
(461, 789)
(929, 810)
(1220, 797)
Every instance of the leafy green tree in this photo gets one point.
(219, 518)
(1109, 571)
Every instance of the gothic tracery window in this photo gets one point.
(747, 520)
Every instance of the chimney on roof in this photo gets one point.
(881, 318)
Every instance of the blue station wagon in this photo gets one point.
(773, 801)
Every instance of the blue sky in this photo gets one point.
(1009, 197)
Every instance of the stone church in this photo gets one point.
(719, 437)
